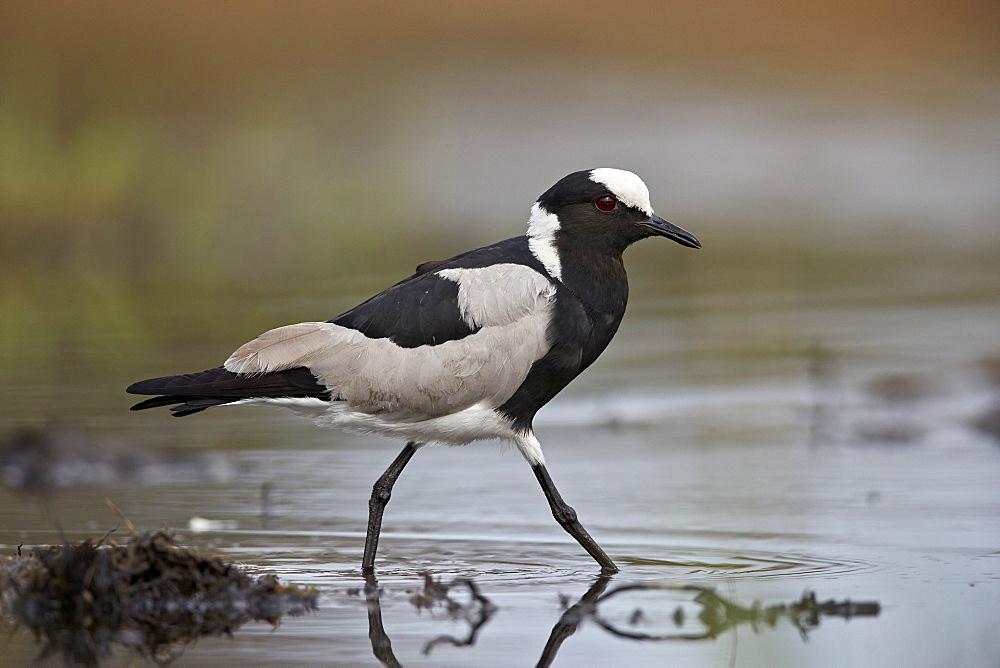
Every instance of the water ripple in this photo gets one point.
(708, 562)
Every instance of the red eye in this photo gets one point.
(606, 203)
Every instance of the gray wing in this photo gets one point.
(507, 308)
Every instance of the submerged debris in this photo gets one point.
(148, 595)
(718, 614)
(476, 612)
(434, 592)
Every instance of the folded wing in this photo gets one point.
(438, 342)
(375, 369)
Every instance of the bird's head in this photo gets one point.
(602, 207)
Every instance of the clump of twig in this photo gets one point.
(147, 594)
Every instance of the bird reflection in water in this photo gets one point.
(716, 615)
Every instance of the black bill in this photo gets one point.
(662, 228)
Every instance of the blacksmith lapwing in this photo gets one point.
(464, 349)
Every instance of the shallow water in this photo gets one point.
(761, 443)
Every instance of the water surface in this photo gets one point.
(762, 446)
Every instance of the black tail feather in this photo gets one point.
(194, 392)
(156, 402)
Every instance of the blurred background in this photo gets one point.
(176, 178)
(190, 153)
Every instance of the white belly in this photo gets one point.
(478, 422)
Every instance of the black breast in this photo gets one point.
(589, 307)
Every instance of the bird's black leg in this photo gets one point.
(381, 492)
(566, 517)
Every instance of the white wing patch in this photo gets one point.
(499, 294)
(626, 186)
